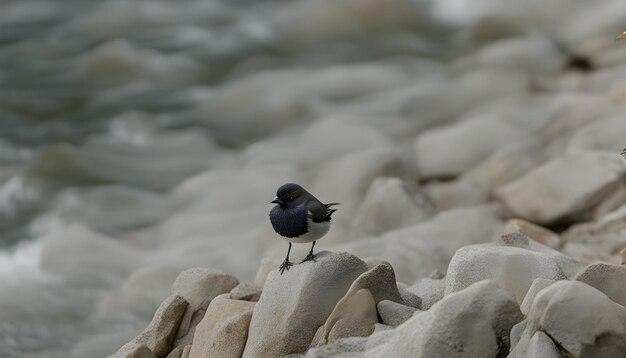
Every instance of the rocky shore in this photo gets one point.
(514, 297)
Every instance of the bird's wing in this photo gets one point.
(321, 212)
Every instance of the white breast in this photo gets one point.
(315, 232)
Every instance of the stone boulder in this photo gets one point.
(160, 333)
(223, 331)
(580, 320)
(474, 322)
(298, 302)
(515, 261)
(246, 291)
(415, 251)
(608, 279)
(430, 289)
(548, 194)
(355, 313)
(394, 314)
(198, 286)
(389, 204)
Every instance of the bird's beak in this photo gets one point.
(621, 36)
(276, 201)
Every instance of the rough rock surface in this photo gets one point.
(429, 289)
(536, 287)
(246, 291)
(394, 314)
(514, 262)
(223, 331)
(353, 316)
(160, 333)
(579, 319)
(389, 204)
(475, 322)
(298, 303)
(414, 252)
(608, 279)
(540, 345)
(547, 194)
(535, 232)
(198, 286)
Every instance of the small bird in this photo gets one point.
(299, 217)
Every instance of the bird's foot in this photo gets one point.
(285, 266)
(309, 257)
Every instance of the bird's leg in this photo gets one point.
(310, 256)
(286, 264)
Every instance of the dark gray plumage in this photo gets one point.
(299, 217)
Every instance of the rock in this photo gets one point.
(514, 262)
(581, 320)
(246, 292)
(540, 345)
(474, 322)
(409, 298)
(223, 331)
(186, 351)
(430, 290)
(415, 251)
(609, 279)
(177, 352)
(199, 286)
(537, 285)
(622, 253)
(353, 316)
(160, 333)
(380, 281)
(600, 239)
(268, 264)
(547, 194)
(140, 351)
(448, 151)
(535, 232)
(389, 204)
(394, 314)
(298, 302)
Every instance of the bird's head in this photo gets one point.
(290, 195)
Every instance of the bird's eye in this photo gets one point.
(291, 198)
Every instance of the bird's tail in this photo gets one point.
(330, 211)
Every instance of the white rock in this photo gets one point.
(223, 331)
(540, 345)
(535, 232)
(389, 204)
(580, 319)
(415, 251)
(514, 262)
(547, 194)
(449, 151)
(536, 287)
(298, 302)
(608, 279)
(394, 314)
(160, 333)
(353, 316)
(478, 319)
(199, 286)
(430, 290)
(246, 291)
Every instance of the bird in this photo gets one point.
(299, 217)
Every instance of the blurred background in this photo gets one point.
(140, 138)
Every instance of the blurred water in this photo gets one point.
(105, 106)
(139, 138)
